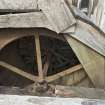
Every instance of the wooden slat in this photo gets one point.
(57, 13)
(64, 73)
(38, 55)
(20, 5)
(90, 36)
(18, 71)
(93, 63)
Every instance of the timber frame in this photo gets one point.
(85, 38)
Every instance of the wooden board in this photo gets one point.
(57, 13)
(90, 36)
(93, 63)
(17, 5)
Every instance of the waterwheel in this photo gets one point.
(54, 42)
(40, 57)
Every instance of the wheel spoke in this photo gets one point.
(18, 71)
(38, 55)
(64, 73)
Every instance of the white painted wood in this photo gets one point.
(58, 13)
(34, 100)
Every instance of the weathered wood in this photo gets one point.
(93, 63)
(90, 37)
(57, 13)
(25, 20)
(64, 73)
(28, 20)
(20, 5)
(18, 71)
(38, 55)
(81, 92)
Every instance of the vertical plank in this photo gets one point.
(38, 54)
(93, 63)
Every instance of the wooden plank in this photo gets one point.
(28, 20)
(38, 55)
(64, 73)
(58, 13)
(93, 63)
(25, 20)
(20, 5)
(90, 36)
(18, 71)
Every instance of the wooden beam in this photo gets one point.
(90, 36)
(38, 55)
(58, 13)
(64, 73)
(28, 20)
(18, 71)
(25, 20)
(93, 63)
(18, 6)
